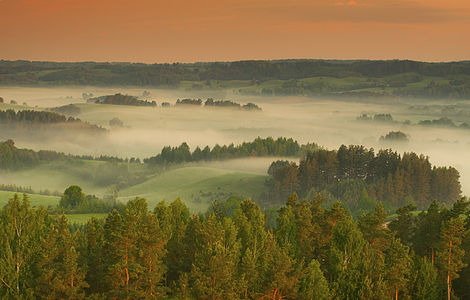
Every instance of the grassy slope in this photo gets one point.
(35, 199)
(196, 186)
(54, 176)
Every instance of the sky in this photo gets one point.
(155, 31)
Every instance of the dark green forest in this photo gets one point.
(311, 253)
(375, 79)
(359, 177)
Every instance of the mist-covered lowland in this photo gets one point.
(285, 167)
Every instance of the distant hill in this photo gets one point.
(362, 78)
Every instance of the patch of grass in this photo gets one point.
(34, 199)
(196, 186)
(81, 219)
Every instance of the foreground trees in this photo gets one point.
(315, 252)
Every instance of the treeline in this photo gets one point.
(313, 253)
(12, 157)
(210, 102)
(359, 177)
(32, 119)
(94, 73)
(383, 88)
(455, 89)
(259, 147)
(119, 99)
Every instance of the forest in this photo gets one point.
(359, 177)
(372, 79)
(312, 253)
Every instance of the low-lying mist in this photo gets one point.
(329, 123)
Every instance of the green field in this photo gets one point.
(197, 186)
(81, 219)
(34, 199)
(57, 176)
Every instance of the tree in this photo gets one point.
(404, 224)
(95, 275)
(213, 271)
(345, 261)
(313, 285)
(450, 252)
(22, 229)
(72, 198)
(397, 267)
(62, 276)
(424, 283)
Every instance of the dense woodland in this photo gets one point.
(312, 253)
(119, 99)
(394, 74)
(359, 177)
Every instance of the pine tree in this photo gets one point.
(397, 267)
(95, 256)
(450, 252)
(63, 277)
(151, 251)
(424, 284)
(214, 271)
(345, 262)
(313, 285)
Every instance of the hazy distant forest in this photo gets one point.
(290, 179)
(286, 77)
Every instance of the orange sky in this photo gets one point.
(209, 30)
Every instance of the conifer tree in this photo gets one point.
(313, 285)
(450, 252)
(397, 267)
(424, 283)
(63, 277)
(214, 271)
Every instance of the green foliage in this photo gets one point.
(139, 254)
(313, 285)
(72, 198)
(359, 177)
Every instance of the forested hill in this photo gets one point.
(404, 78)
(32, 119)
(157, 74)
